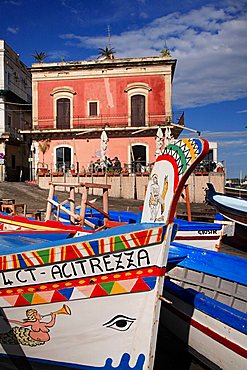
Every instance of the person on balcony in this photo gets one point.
(117, 167)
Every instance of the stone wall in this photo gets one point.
(134, 187)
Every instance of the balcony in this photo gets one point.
(92, 126)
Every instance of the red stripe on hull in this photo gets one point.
(197, 238)
(207, 331)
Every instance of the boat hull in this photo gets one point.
(106, 298)
(200, 235)
(74, 336)
(213, 342)
(207, 292)
(234, 209)
(236, 192)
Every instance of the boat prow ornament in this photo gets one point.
(170, 172)
(109, 281)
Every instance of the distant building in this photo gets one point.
(15, 115)
(74, 101)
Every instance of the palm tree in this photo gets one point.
(165, 52)
(107, 53)
(44, 145)
(39, 56)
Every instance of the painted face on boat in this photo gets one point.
(120, 338)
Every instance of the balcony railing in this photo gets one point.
(135, 168)
(81, 122)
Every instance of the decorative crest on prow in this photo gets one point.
(169, 175)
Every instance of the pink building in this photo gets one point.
(73, 102)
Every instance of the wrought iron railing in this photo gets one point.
(97, 168)
(80, 122)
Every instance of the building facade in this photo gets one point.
(74, 102)
(15, 115)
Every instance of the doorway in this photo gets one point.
(63, 113)
(138, 158)
(138, 110)
(63, 159)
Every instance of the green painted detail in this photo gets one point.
(44, 255)
(28, 297)
(119, 244)
(107, 287)
(181, 154)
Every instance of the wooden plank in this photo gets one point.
(49, 205)
(187, 198)
(53, 202)
(72, 202)
(95, 186)
(64, 184)
(97, 209)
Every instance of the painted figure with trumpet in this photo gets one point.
(37, 334)
(111, 280)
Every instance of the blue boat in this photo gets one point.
(198, 234)
(233, 209)
(205, 305)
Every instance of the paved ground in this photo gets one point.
(36, 198)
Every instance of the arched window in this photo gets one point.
(138, 111)
(139, 156)
(63, 158)
(63, 107)
(63, 113)
(138, 103)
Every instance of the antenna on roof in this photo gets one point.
(109, 36)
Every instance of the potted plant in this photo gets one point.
(72, 170)
(44, 145)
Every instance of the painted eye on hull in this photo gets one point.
(120, 323)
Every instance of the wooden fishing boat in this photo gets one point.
(205, 305)
(233, 209)
(92, 302)
(38, 234)
(206, 235)
(239, 192)
(198, 234)
(24, 225)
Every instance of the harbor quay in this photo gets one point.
(133, 187)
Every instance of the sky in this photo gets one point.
(208, 39)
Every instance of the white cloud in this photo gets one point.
(13, 2)
(68, 6)
(224, 134)
(13, 30)
(58, 55)
(233, 143)
(242, 111)
(209, 44)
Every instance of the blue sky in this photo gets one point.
(208, 39)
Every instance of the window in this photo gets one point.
(138, 110)
(63, 106)
(8, 79)
(209, 156)
(63, 113)
(63, 158)
(93, 108)
(138, 157)
(138, 103)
